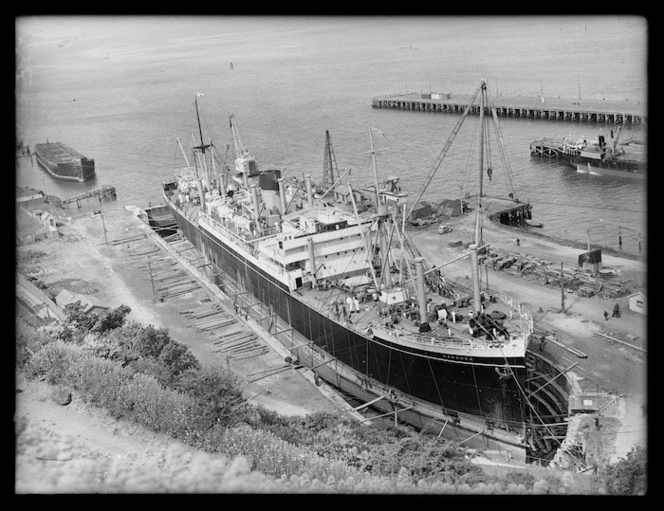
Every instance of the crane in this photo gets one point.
(244, 162)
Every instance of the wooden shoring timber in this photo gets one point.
(248, 335)
(613, 339)
(172, 237)
(219, 324)
(140, 251)
(174, 278)
(200, 308)
(158, 264)
(120, 241)
(204, 313)
(171, 294)
(550, 380)
(262, 350)
(175, 285)
(269, 370)
(229, 335)
(369, 403)
(571, 349)
(169, 275)
(275, 371)
(178, 286)
(244, 346)
(210, 321)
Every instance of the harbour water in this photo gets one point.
(121, 90)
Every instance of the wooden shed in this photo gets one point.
(637, 302)
(89, 303)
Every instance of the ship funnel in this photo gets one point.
(282, 196)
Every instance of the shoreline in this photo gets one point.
(570, 243)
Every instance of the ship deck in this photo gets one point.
(453, 334)
(58, 152)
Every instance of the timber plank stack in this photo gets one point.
(548, 273)
(237, 344)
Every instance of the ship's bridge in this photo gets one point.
(317, 220)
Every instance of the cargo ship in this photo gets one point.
(595, 157)
(63, 162)
(372, 316)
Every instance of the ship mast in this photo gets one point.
(381, 220)
(329, 163)
(202, 147)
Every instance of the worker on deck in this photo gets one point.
(616, 310)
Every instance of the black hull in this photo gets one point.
(79, 169)
(609, 167)
(469, 385)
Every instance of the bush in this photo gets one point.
(112, 319)
(629, 476)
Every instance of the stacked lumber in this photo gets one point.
(175, 285)
(240, 344)
(237, 344)
(208, 317)
(575, 279)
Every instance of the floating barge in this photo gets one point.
(587, 110)
(63, 162)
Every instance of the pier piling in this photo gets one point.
(589, 110)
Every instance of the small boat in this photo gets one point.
(63, 162)
(533, 223)
(595, 157)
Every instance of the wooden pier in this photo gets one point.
(101, 192)
(585, 110)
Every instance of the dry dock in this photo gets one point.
(564, 109)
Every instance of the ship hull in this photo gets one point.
(582, 166)
(63, 163)
(443, 382)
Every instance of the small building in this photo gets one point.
(421, 210)
(89, 304)
(450, 207)
(637, 302)
(591, 260)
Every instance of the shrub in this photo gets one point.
(111, 319)
(629, 476)
(82, 322)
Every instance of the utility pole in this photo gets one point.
(562, 288)
(620, 236)
(154, 295)
(101, 213)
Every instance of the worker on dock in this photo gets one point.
(616, 310)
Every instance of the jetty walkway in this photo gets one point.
(588, 110)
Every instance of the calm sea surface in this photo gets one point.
(121, 90)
